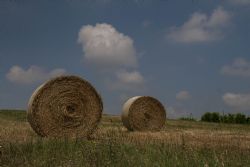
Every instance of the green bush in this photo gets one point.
(238, 118)
(207, 117)
(211, 117)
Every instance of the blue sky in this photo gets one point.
(194, 56)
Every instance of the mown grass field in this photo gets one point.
(180, 143)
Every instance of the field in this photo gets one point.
(180, 143)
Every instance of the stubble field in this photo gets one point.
(179, 143)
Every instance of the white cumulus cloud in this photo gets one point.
(240, 67)
(125, 80)
(31, 75)
(238, 101)
(183, 95)
(103, 45)
(133, 77)
(201, 27)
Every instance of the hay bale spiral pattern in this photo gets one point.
(143, 113)
(66, 106)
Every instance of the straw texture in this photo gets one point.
(66, 106)
(143, 113)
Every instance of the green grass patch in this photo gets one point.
(13, 115)
(112, 153)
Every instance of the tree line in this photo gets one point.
(237, 118)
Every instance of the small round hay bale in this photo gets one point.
(143, 113)
(66, 106)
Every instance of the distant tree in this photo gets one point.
(207, 117)
(215, 117)
(231, 118)
(240, 118)
(224, 118)
(248, 120)
(211, 117)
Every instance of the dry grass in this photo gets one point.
(193, 134)
(180, 143)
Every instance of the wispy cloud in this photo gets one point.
(240, 2)
(201, 28)
(183, 95)
(133, 77)
(146, 23)
(128, 80)
(240, 67)
(31, 75)
(176, 112)
(237, 101)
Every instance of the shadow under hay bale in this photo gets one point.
(66, 106)
(143, 113)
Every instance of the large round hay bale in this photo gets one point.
(143, 113)
(66, 106)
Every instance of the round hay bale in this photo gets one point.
(143, 113)
(66, 106)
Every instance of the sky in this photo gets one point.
(193, 55)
